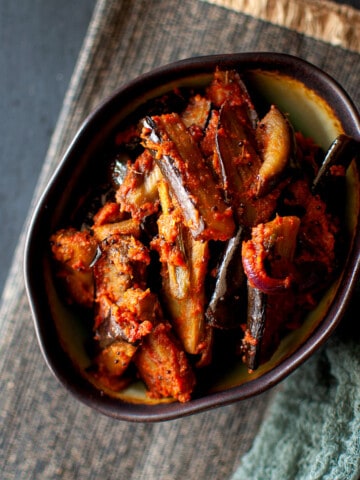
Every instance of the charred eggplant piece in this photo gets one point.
(276, 141)
(191, 180)
(228, 299)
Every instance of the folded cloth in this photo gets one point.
(313, 428)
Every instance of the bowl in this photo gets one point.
(315, 104)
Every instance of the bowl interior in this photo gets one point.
(63, 333)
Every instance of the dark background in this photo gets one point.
(39, 44)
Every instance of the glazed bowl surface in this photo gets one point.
(316, 105)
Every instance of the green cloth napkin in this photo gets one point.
(313, 428)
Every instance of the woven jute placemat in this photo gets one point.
(328, 21)
(47, 434)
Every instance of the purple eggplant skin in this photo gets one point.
(256, 318)
(236, 146)
(341, 152)
(108, 332)
(275, 139)
(228, 299)
(192, 182)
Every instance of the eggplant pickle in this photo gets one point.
(220, 225)
(191, 180)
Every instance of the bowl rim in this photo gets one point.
(56, 359)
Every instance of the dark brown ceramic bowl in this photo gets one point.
(317, 106)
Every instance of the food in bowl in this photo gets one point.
(314, 104)
(214, 239)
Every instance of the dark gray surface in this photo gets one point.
(40, 41)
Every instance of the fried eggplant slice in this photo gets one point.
(130, 318)
(275, 139)
(121, 265)
(108, 213)
(163, 365)
(112, 363)
(240, 162)
(126, 311)
(196, 114)
(270, 317)
(228, 298)
(74, 252)
(184, 263)
(228, 87)
(129, 226)
(191, 180)
(269, 271)
(138, 193)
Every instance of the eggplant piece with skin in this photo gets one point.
(228, 87)
(340, 154)
(196, 113)
(241, 167)
(191, 180)
(271, 247)
(331, 176)
(227, 298)
(74, 252)
(184, 263)
(256, 317)
(138, 194)
(240, 163)
(112, 362)
(163, 366)
(121, 266)
(131, 318)
(237, 147)
(275, 138)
